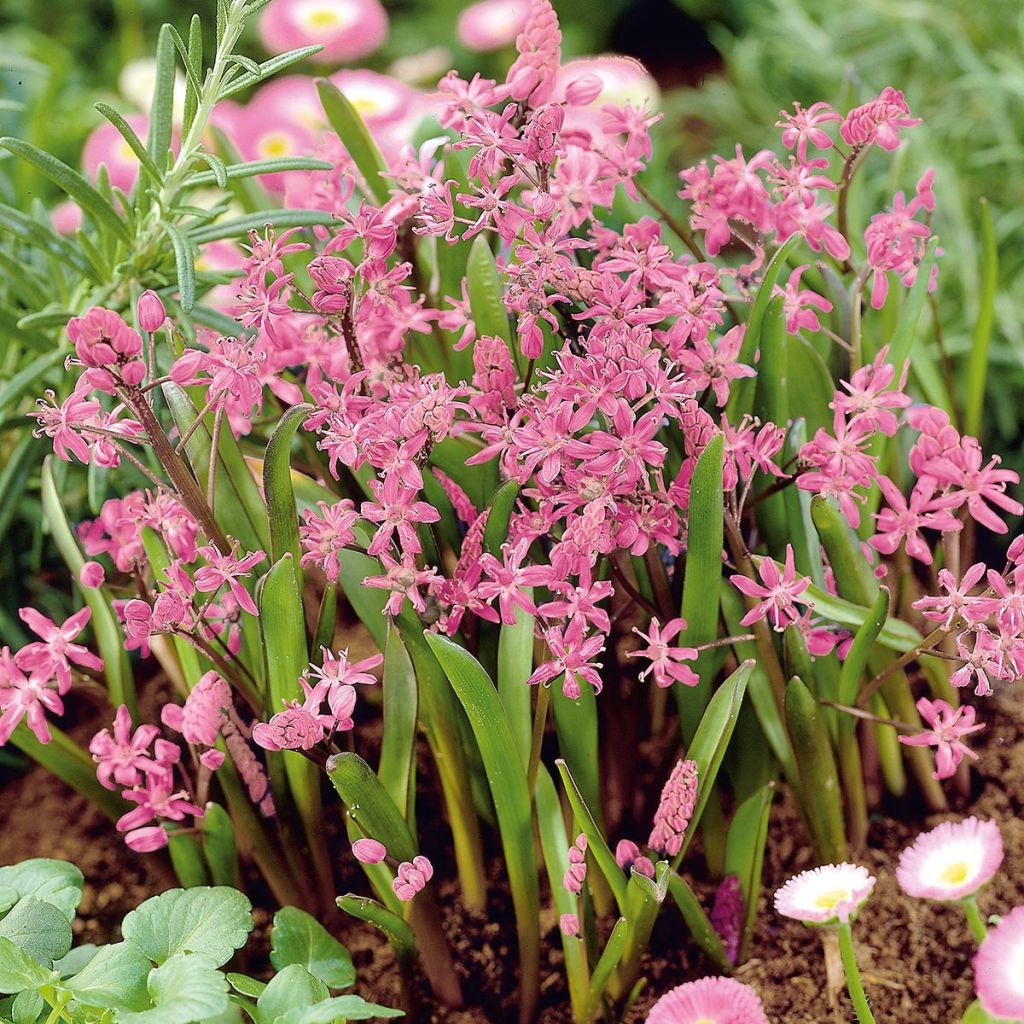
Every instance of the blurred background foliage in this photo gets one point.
(725, 69)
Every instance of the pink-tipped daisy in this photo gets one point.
(346, 29)
(999, 968)
(491, 24)
(952, 861)
(709, 1001)
(827, 895)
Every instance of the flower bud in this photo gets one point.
(582, 91)
(369, 851)
(150, 311)
(146, 840)
(569, 924)
(91, 575)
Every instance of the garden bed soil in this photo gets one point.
(915, 956)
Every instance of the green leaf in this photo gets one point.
(501, 506)
(39, 929)
(711, 739)
(298, 938)
(18, 972)
(246, 986)
(644, 897)
(610, 957)
(104, 622)
(506, 775)
(515, 665)
(219, 846)
(895, 634)
(72, 183)
(906, 327)
(698, 923)
(30, 376)
(975, 1014)
(703, 580)
(486, 296)
(821, 796)
(52, 881)
(253, 168)
(44, 239)
(401, 701)
(278, 490)
(744, 855)
(596, 844)
(336, 1009)
(857, 657)
(184, 989)
(346, 123)
(398, 933)
(268, 68)
(134, 142)
(185, 263)
(236, 227)
(292, 987)
(210, 921)
(161, 107)
(114, 979)
(981, 336)
(370, 805)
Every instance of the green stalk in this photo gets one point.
(853, 983)
(974, 919)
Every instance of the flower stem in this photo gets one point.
(853, 985)
(540, 719)
(974, 919)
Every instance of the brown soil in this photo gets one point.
(915, 956)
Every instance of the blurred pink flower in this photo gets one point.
(346, 29)
(492, 24)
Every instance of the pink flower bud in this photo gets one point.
(146, 840)
(369, 851)
(91, 575)
(150, 311)
(643, 866)
(412, 878)
(569, 924)
(211, 759)
(138, 619)
(582, 91)
(626, 852)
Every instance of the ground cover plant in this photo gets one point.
(437, 466)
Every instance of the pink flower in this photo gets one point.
(155, 799)
(800, 304)
(346, 29)
(150, 312)
(675, 808)
(25, 696)
(122, 758)
(576, 874)
(716, 366)
(709, 1001)
(572, 657)
(369, 851)
(222, 570)
(55, 651)
(804, 127)
(779, 595)
(727, 915)
(903, 521)
(626, 851)
(325, 536)
(952, 861)
(666, 661)
(508, 581)
(404, 580)
(412, 878)
(491, 24)
(948, 726)
(878, 120)
(199, 720)
(957, 600)
(148, 839)
(827, 895)
(295, 728)
(997, 974)
(397, 512)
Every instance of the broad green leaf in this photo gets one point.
(27, 1007)
(744, 856)
(76, 960)
(701, 928)
(184, 989)
(114, 979)
(610, 957)
(711, 739)
(293, 986)
(278, 491)
(401, 701)
(506, 775)
(554, 845)
(104, 622)
(515, 665)
(246, 986)
(822, 800)
(501, 505)
(297, 938)
(370, 805)
(339, 1008)
(981, 336)
(596, 844)
(39, 929)
(18, 971)
(703, 580)
(486, 297)
(346, 123)
(742, 393)
(210, 921)
(809, 399)
(52, 881)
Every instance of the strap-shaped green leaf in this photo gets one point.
(981, 336)
(161, 107)
(278, 490)
(235, 227)
(350, 128)
(501, 506)
(73, 184)
(185, 264)
(506, 775)
(44, 239)
(401, 701)
(744, 856)
(486, 296)
(610, 957)
(701, 928)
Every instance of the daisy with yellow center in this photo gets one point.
(825, 895)
(951, 862)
